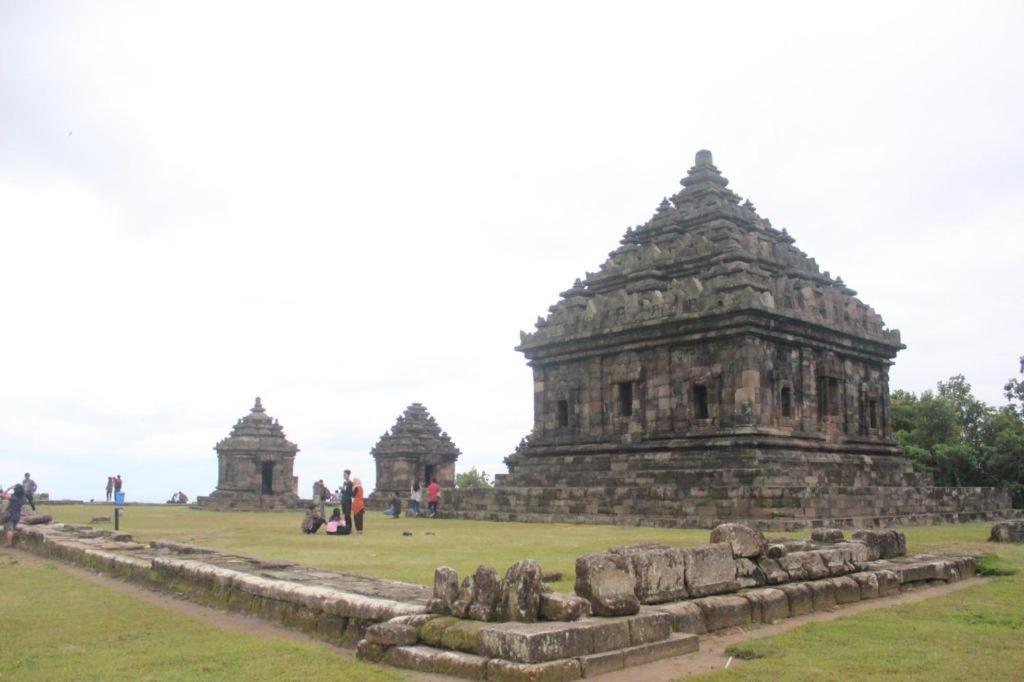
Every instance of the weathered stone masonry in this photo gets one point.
(711, 371)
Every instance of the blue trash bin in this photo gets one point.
(119, 498)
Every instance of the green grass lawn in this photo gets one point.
(382, 550)
(977, 633)
(58, 626)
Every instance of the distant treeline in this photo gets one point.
(961, 440)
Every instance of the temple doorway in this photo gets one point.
(428, 474)
(268, 477)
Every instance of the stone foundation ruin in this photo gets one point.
(708, 372)
(633, 604)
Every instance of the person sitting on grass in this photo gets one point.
(336, 524)
(312, 521)
(394, 509)
(11, 515)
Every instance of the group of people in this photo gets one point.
(114, 484)
(12, 500)
(342, 520)
(433, 491)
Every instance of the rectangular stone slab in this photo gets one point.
(710, 569)
(676, 645)
(510, 671)
(685, 617)
(724, 611)
(801, 600)
(535, 642)
(430, 660)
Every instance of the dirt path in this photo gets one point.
(711, 655)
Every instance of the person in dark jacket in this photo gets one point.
(346, 494)
(11, 515)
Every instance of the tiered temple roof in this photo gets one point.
(704, 254)
(257, 431)
(416, 433)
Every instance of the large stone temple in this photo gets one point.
(255, 466)
(710, 371)
(414, 449)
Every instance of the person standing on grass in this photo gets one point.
(415, 497)
(358, 505)
(11, 515)
(30, 488)
(345, 492)
(110, 488)
(117, 484)
(433, 497)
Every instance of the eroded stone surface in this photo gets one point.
(446, 590)
(391, 634)
(724, 611)
(659, 571)
(827, 535)
(746, 542)
(1007, 531)
(767, 605)
(685, 617)
(710, 569)
(520, 592)
(605, 580)
(488, 592)
(563, 607)
(885, 544)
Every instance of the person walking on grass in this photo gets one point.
(358, 505)
(30, 488)
(433, 497)
(11, 514)
(110, 488)
(345, 492)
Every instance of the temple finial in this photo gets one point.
(258, 407)
(703, 159)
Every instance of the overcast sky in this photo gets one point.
(347, 207)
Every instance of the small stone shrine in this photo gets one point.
(710, 371)
(415, 449)
(255, 466)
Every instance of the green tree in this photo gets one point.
(472, 479)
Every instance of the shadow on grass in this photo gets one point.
(748, 651)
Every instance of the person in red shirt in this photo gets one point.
(433, 496)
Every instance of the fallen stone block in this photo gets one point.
(745, 542)
(520, 592)
(767, 605)
(463, 636)
(370, 651)
(827, 535)
(487, 584)
(724, 612)
(391, 634)
(710, 569)
(659, 571)
(675, 645)
(432, 631)
(772, 571)
(775, 550)
(552, 671)
(823, 594)
(1007, 531)
(868, 583)
(803, 565)
(847, 590)
(606, 581)
(535, 642)
(460, 607)
(886, 544)
(650, 625)
(429, 660)
(563, 607)
(446, 590)
(800, 598)
(748, 574)
(685, 617)
(888, 583)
